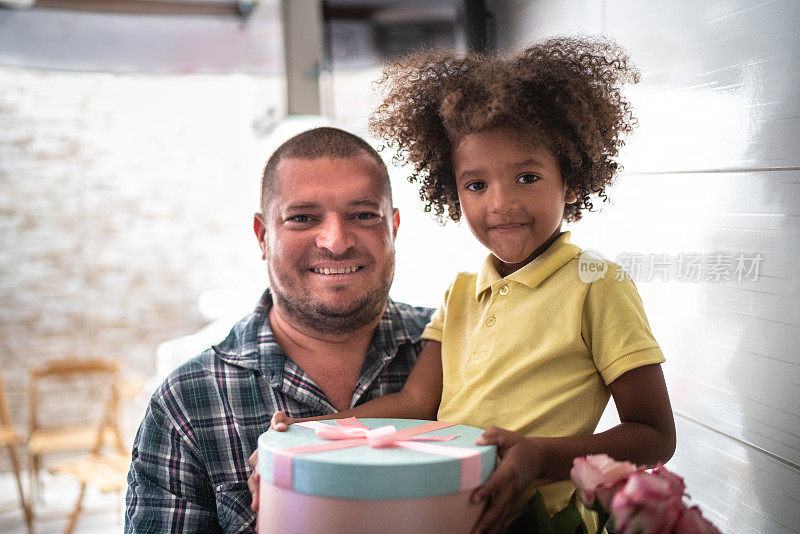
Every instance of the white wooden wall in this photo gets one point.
(714, 168)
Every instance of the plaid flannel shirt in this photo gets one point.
(189, 466)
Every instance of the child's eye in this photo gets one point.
(527, 179)
(476, 186)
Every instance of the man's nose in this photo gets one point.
(335, 236)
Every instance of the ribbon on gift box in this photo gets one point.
(353, 433)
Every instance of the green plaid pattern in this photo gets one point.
(189, 464)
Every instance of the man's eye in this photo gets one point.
(299, 219)
(527, 179)
(476, 186)
(366, 215)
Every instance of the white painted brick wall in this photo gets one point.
(122, 199)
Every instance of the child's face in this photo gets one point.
(511, 194)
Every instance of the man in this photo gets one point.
(324, 337)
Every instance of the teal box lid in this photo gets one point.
(410, 468)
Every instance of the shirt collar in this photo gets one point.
(553, 258)
(251, 343)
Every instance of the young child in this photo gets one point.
(525, 348)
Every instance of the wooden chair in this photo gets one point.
(105, 467)
(77, 435)
(10, 439)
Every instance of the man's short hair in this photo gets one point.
(323, 142)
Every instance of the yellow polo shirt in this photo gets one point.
(534, 352)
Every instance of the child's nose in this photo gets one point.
(501, 200)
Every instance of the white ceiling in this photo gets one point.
(111, 42)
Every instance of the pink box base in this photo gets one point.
(283, 511)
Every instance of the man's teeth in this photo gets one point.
(341, 270)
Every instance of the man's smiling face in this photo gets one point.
(328, 238)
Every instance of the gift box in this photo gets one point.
(371, 475)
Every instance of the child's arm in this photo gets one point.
(645, 436)
(419, 398)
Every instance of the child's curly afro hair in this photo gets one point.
(564, 93)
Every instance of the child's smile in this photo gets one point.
(511, 194)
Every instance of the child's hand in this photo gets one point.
(280, 421)
(520, 464)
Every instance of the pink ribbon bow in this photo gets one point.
(385, 436)
(352, 433)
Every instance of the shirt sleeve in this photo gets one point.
(615, 327)
(435, 328)
(168, 489)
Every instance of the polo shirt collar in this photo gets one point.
(552, 259)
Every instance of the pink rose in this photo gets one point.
(693, 522)
(647, 504)
(598, 477)
(676, 482)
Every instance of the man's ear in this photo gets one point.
(395, 222)
(260, 229)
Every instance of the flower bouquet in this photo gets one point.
(631, 499)
(636, 500)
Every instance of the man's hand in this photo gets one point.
(254, 482)
(280, 422)
(520, 464)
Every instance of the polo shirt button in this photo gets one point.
(504, 290)
(490, 321)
